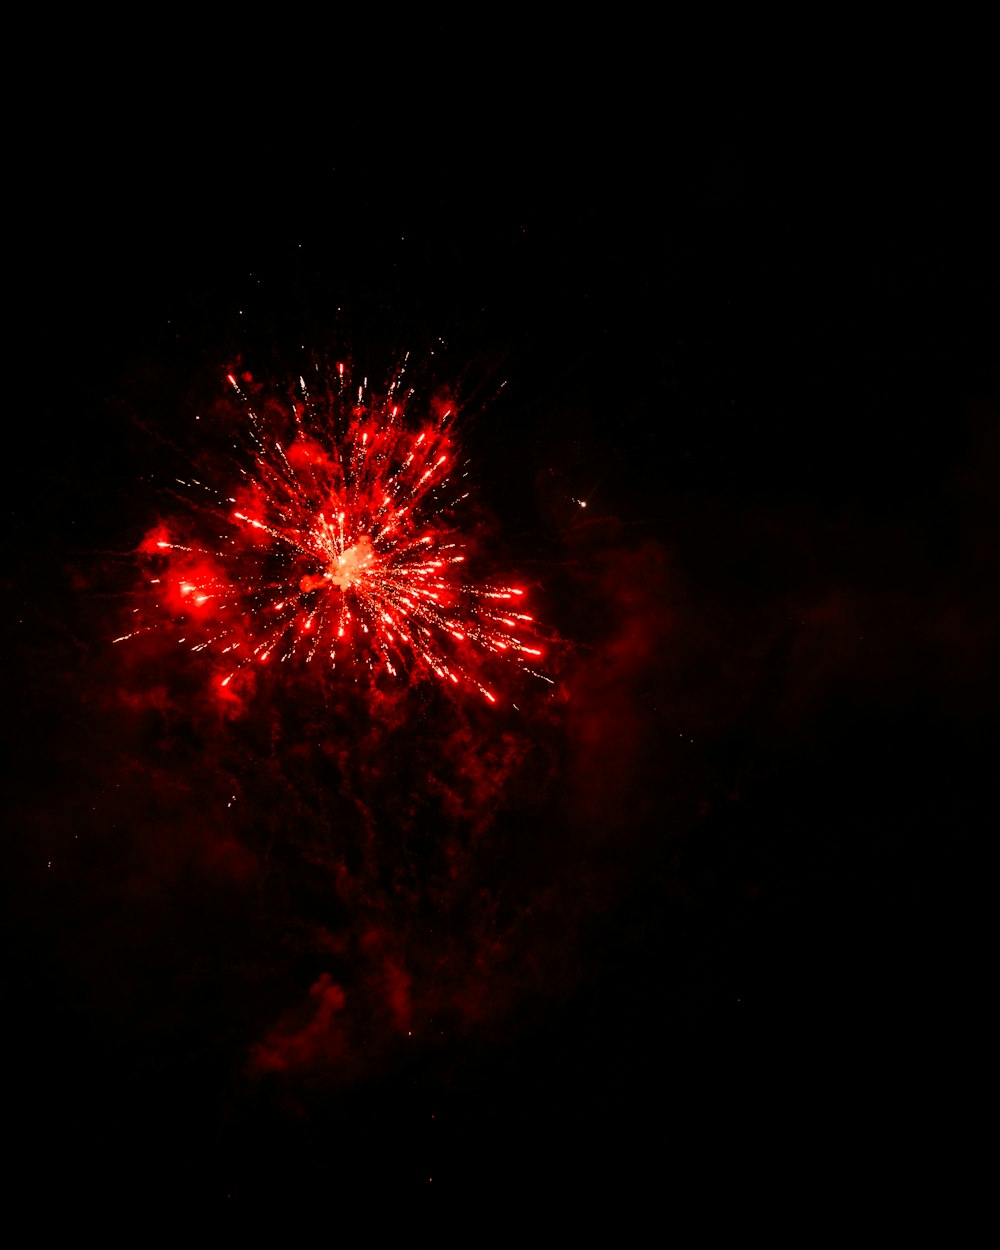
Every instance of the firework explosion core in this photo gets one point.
(341, 546)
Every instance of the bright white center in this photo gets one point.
(351, 565)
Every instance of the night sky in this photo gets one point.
(698, 927)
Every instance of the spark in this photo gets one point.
(341, 540)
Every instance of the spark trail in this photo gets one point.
(342, 545)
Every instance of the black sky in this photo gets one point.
(764, 350)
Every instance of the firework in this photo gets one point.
(341, 546)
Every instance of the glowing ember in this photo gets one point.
(342, 543)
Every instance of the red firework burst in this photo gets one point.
(341, 546)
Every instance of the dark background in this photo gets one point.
(761, 344)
